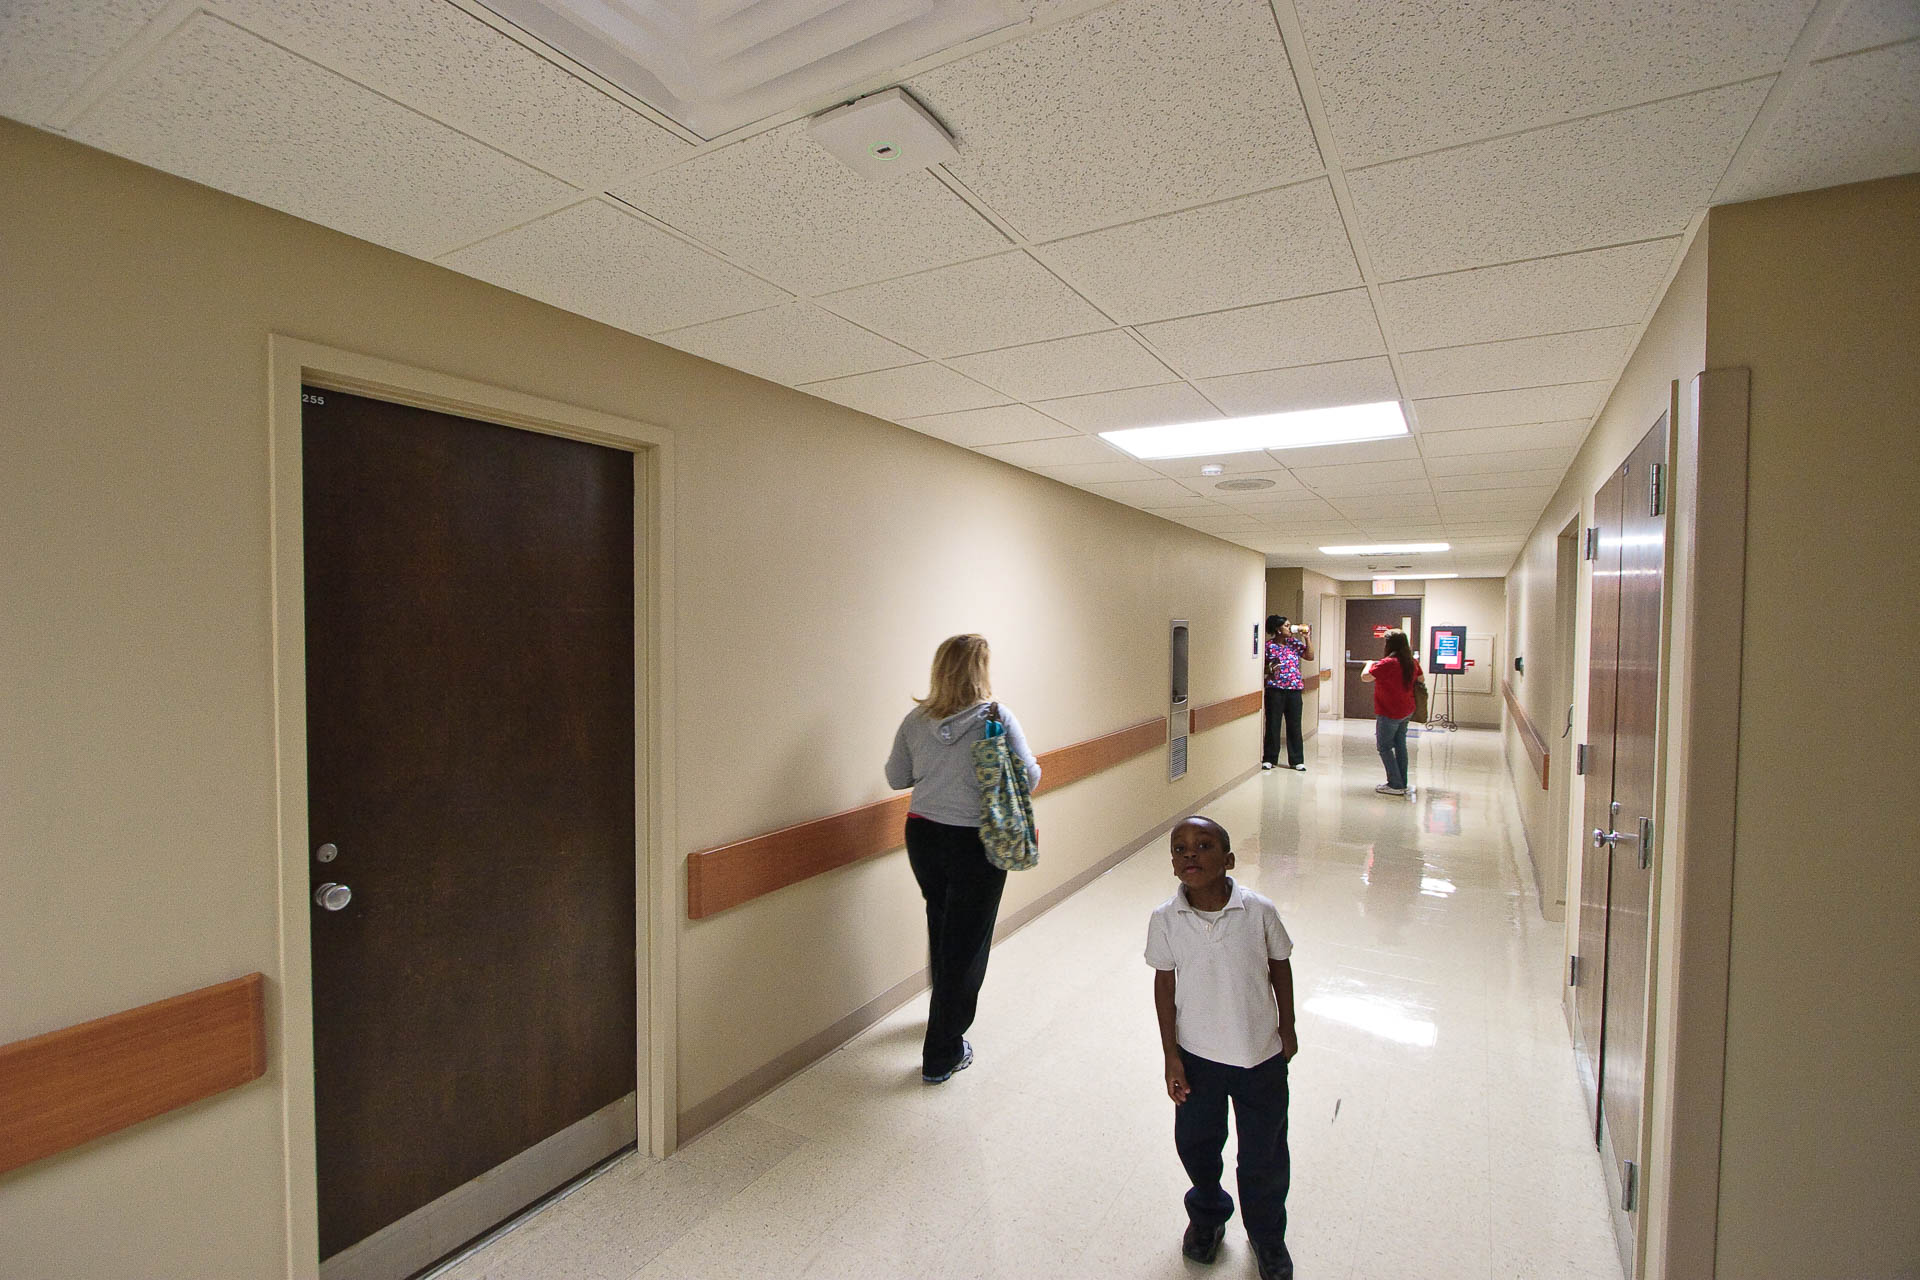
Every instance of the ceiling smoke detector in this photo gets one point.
(1245, 484)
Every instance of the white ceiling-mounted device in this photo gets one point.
(883, 136)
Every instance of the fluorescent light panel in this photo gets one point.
(1341, 424)
(1387, 549)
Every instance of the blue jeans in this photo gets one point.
(1259, 1098)
(1390, 736)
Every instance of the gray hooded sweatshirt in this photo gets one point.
(935, 758)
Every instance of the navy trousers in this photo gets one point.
(962, 890)
(1259, 1097)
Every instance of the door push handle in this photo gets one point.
(332, 896)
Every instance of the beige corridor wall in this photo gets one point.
(821, 554)
(1673, 348)
(1820, 1163)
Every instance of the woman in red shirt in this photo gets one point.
(1393, 678)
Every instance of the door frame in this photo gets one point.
(292, 363)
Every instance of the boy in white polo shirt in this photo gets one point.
(1223, 988)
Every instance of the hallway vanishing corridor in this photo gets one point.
(1436, 1127)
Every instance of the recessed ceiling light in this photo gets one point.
(1339, 425)
(1212, 469)
(1387, 549)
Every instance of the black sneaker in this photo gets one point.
(966, 1060)
(1202, 1244)
(1274, 1261)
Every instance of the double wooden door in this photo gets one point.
(470, 741)
(1368, 620)
(1617, 866)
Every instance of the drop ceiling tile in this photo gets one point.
(778, 203)
(50, 48)
(1509, 408)
(1063, 452)
(453, 66)
(1379, 489)
(1002, 424)
(1519, 460)
(1278, 244)
(1160, 406)
(1173, 513)
(610, 266)
(1095, 472)
(790, 344)
(1293, 507)
(229, 110)
(1866, 23)
(916, 391)
(1001, 301)
(1245, 500)
(1484, 480)
(1495, 501)
(1601, 288)
(1276, 335)
(1075, 126)
(1848, 120)
(1593, 355)
(1403, 506)
(1312, 386)
(1630, 175)
(1329, 455)
(1538, 435)
(1064, 367)
(1148, 493)
(1343, 478)
(1232, 465)
(1405, 76)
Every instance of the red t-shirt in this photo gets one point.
(1392, 694)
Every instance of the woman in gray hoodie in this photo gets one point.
(933, 754)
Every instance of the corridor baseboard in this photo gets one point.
(758, 1083)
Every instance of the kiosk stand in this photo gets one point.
(1447, 647)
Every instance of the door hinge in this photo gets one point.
(1646, 843)
(1629, 1186)
(1580, 752)
(1592, 550)
(1573, 971)
(1656, 490)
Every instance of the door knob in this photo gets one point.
(332, 896)
(1602, 838)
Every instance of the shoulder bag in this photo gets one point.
(1006, 806)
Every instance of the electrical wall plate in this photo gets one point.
(883, 136)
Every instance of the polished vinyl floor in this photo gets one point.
(1436, 1127)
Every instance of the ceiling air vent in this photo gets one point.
(1245, 484)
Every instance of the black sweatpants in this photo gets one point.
(962, 890)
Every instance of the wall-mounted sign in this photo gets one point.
(1383, 586)
(1448, 650)
(1380, 630)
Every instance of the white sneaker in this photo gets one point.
(1265, 765)
(1298, 768)
(1388, 790)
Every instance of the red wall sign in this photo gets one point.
(1380, 630)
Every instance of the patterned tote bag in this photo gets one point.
(1006, 806)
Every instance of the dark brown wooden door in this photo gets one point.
(1367, 620)
(470, 689)
(1617, 875)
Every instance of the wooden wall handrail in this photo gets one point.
(730, 874)
(83, 1082)
(1536, 745)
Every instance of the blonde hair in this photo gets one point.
(959, 676)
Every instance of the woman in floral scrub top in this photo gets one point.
(1285, 648)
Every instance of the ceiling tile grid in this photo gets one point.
(1864, 24)
(455, 67)
(1151, 406)
(1002, 301)
(607, 264)
(915, 390)
(789, 344)
(232, 111)
(1603, 287)
(1405, 76)
(1590, 356)
(1212, 258)
(1065, 367)
(1000, 424)
(1510, 408)
(1629, 175)
(779, 204)
(1135, 109)
(49, 49)
(1848, 120)
(1313, 386)
(1275, 335)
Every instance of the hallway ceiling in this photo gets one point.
(1162, 211)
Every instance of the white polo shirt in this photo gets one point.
(1223, 991)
